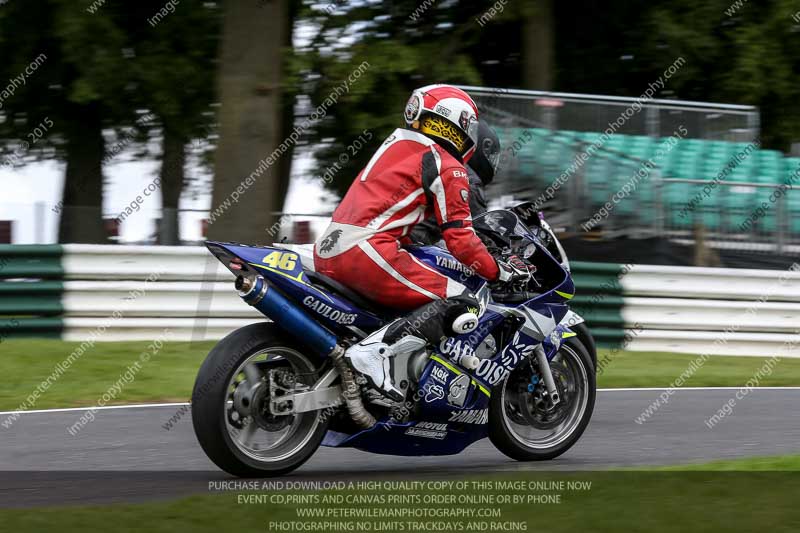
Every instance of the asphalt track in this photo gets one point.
(127, 455)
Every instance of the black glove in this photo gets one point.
(513, 270)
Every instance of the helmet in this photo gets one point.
(446, 114)
(487, 154)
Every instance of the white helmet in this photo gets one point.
(446, 114)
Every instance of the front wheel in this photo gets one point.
(231, 412)
(523, 422)
(585, 338)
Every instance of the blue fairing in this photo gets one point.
(440, 429)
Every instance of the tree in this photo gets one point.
(76, 91)
(747, 55)
(538, 45)
(403, 46)
(175, 70)
(246, 176)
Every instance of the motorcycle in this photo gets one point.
(269, 394)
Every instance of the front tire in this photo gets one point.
(235, 374)
(585, 338)
(521, 423)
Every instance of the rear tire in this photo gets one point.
(212, 416)
(512, 409)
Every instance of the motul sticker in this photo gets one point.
(428, 430)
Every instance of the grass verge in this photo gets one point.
(169, 374)
(778, 463)
(612, 501)
(167, 377)
(648, 369)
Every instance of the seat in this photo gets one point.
(790, 177)
(305, 251)
(589, 136)
(675, 195)
(738, 203)
(598, 177)
(349, 294)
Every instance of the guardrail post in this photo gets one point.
(659, 201)
(723, 213)
(652, 118)
(753, 124)
(575, 189)
(782, 223)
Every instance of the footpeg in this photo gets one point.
(470, 362)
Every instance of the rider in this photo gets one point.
(418, 171)
(481, 168)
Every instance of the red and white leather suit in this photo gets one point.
(407, 180)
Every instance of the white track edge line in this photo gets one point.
(634, 389)
(181, 404)
(89, 408)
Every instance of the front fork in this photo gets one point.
(547, 374)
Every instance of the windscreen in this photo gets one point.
(501, 222)
(508, 227)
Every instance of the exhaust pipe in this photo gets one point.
(351, 392)
(273, 304)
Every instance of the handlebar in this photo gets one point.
(514, 297)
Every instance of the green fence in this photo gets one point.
(599, 300)
(31, 288)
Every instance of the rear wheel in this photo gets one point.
(523, 422)
(231, 412)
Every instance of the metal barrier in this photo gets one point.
(593, 112)
(574, 180)
(30, 291)
(111, 293)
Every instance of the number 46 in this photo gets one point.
(281, 260)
